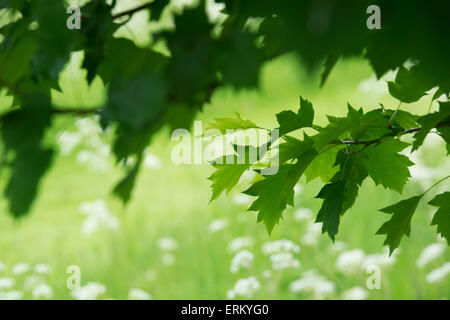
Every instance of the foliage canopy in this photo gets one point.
(148, 90)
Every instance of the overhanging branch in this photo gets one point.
(132, 11)
(370, 142)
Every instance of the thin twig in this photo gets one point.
(78, 111)
(132, 11)
(370, 142)
(435, 184)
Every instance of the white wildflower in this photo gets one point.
(168, 259)
(314, 284)
(244, 288)
(243, 259)
(277, 246)
(379, 259)
(11, 295)
(355, 293)
(438, 274)
(88, 126)
(152, 162)
(430, 253)
(67, 141)
(303, 214)
(216, 225)
(6, 283)
(98, 215)
(349, 262)
(90, 291)
(42, 268)
(42, 291)
(138, 294)
(20, 268)
(239, 243)
(338, 246)
(267, 274)
(284, 260)
(312, 235)
(167, 243)
(32, 281)
(95, 161)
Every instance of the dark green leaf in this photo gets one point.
(430, 121)
(386, 166)
(290, 121)
(400, 223)
(275, 192)
(442, 216)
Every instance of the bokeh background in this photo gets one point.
(170, 243)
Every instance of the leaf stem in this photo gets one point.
(429, 107)
(389, 125)
(435, 184)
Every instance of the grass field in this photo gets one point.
(171, 244)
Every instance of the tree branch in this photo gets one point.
(61, 111)
(76, 111)
(132, 11)
(370, 142)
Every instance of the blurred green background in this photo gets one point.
(169, 243)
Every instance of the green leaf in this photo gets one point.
(340, 194)
(329, 64)
(156, 9)
(229, 169)
(28, 168)
(430, 121)
(191, 70)
(15, 60)
(290, 121)
(331, 210)
(97, 28)
(353, 172)
(294, 148)
(125, 186)
(406, 120)
(323, 166)
(400, 223)
(275, 192)
(224, 124)
(146, 90)
(409, 86)
(56, 41)
(336, 127)
(442, 216)
(386, 166)
(22, 132)
(239, 59)
(444, 132)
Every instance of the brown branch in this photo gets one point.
(132, 11)
(76, 111)
(370, 142)
(58, 111)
